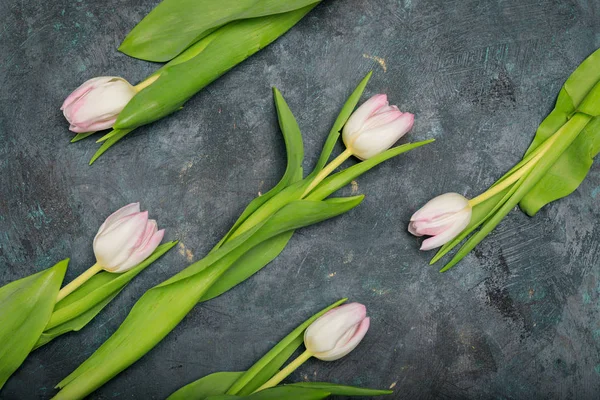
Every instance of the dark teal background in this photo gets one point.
(519, 318)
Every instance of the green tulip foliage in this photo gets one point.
(237, 385)
(257, 237)
(555, 164)
(30, 317)
(208, 40)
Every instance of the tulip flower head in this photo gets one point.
(126, 238)
(95, 105)
(443, 218)
(337, 332)
(375, 126)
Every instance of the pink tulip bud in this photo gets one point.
(375, 126)
(337, 332)
(443, 218)
(95, 105)
(126, 238)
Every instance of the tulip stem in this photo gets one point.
(328, 170)
(518, 174)
(145, 83)
(80, 280)
(281, 375)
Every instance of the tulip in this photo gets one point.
(332, 336)
(337, 332)
(124, 240)
(375, 126)
(443, 218)
(372, 129)
(95, 105)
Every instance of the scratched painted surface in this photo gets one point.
(519, 318)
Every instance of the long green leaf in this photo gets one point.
(285, 392)
(161, 308)
(25, 307)
(97, 289)
(567, 134)
(295, 155)
(341, 390)
(81, 136)
(344, 115)
(157, 38)
(75, 324)
(107, 144)
(249, 264)
(574, 164)
(342, 178)
(268, 365)
(232, 44)
(210, 385)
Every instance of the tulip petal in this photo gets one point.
(462, 220)
(323, 334)
(413, 230)
(142, 252)
(118, 240)
(84, 88)
(359, 117)
(374, 141)
(444, 204)
(347, 344)
(120, 213)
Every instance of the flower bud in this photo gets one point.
(126, 238)
(375, 126)
(443, 218)
(337, 332)
(95, 105)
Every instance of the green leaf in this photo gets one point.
(74, 324)
(249, 264)
(116, 135)
(157, 38)
(293, 172)
(341, 390)
(25, 307)
(574, 164)
(268, 365)
(289, 392)
(210, 385)
(567, 134)
(342, 178)
(232, 44)
(98, 288)
(339, 123)
(81, 136)
(161, 308)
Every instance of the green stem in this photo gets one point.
(328, 170)
(80, 280)
(284, 373)
(516, 175)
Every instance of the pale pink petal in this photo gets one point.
(118, 240)
(141, 253)
(120, 213)
(413, 230)
(461, 222)
(84, 88)
(347, 344)
(444, 204)
(374, 141)
(323, 334)
(359, 117)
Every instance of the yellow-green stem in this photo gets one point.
(518, 174)
(281, 375)
(328, 170)
(145, 83)
(80, 280)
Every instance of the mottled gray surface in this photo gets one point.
(519, 318)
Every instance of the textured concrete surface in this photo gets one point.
(519, 318)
